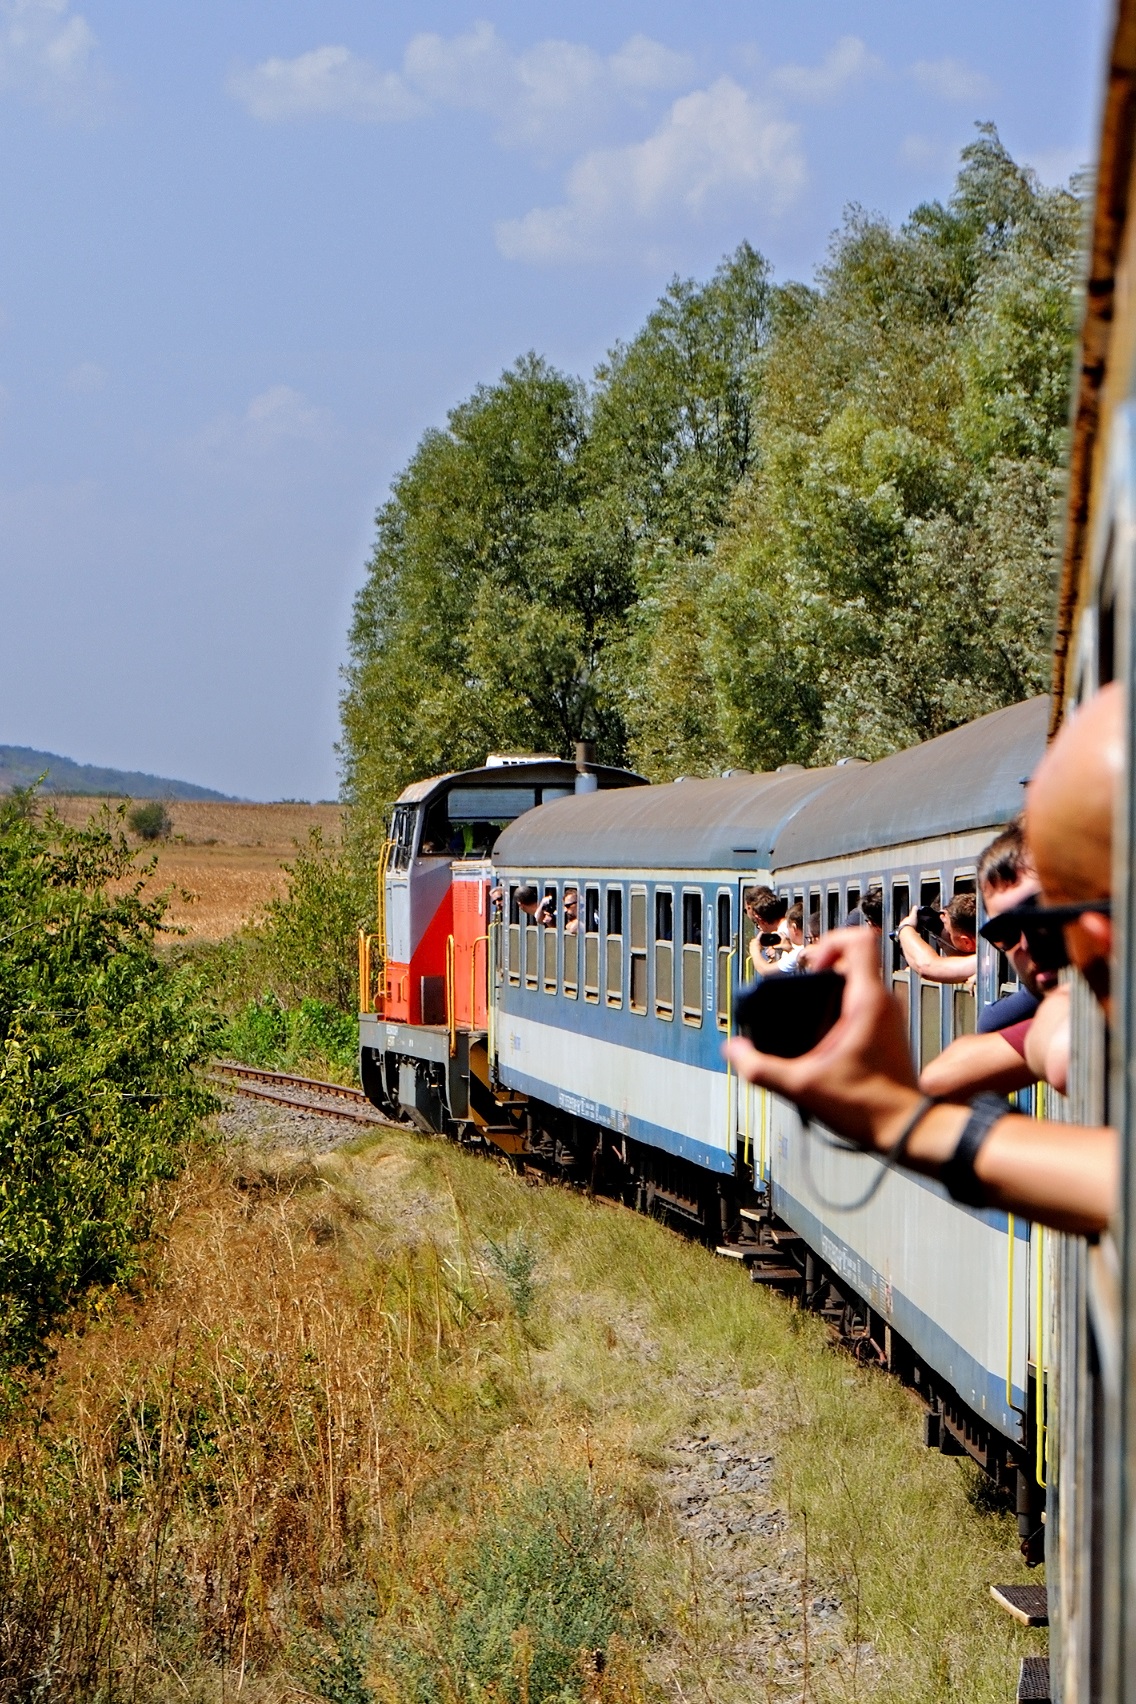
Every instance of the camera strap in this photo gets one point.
(887, 1161)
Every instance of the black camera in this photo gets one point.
(788, 1015)
(769, 939)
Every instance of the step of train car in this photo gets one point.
(1027, 1604)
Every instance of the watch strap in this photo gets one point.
(957, 1173)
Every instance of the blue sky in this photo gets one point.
(250, 252)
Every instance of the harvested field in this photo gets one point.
(224, 862)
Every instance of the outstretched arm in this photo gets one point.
(923, 958)
(860, 1081)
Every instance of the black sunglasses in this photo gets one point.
(1043, 927)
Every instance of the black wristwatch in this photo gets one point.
(957, 1173)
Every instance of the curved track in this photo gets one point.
(301, 1094)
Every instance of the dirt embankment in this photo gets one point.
(223, 861)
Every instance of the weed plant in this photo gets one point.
(313, 1035)
(320, 1454)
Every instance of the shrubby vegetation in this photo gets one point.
(150, 820)
(782, 523)
(99, 1036)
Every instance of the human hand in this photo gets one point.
(911, 921)
(859, 1079)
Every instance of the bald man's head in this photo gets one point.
(1072, 799)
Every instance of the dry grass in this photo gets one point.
(327, 1390)
(223, 862)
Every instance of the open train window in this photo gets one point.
(723, 979)
(832, 920)
(664, 953)
(513, 938)
(592, 944)
(692, 956)
(613, 963)
(812, 917)
(637, 963)
(548, 939)
(404, 825)
(900, 975)
(531, 936)
(571, 972)
(853, 900)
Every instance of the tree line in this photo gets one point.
(784, 522)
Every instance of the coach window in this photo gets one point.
(637, 944)
(963, 1006)
(853, 901)
(548, 939)
(513, 934)
(813, 920)
(725, 950)
(900, 975)
(664, 953)
(592, 944)
(930, 993)
(570, 980)
(692, 956)
(531, 935)
(613, 968)
(833, 916)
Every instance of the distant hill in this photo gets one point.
(20, 766)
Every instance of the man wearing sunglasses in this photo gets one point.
(1023, 1037)
(860, 1079)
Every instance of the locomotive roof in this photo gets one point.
(970, 778)
(549, 771)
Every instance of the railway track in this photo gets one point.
(301, 1094)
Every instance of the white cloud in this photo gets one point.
(48, 55)
(544, 96)
(952, 80)
(716, 147)
(88, 376)
(277, 419)
(929, 154)
(327, 81)
(846, 63)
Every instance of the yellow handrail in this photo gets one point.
(493, 947)
(1010, 1316)
(380, 957)
(478, 941)
(1039, 1357)
(365, 1002)
(729, 1032)
(451, 997)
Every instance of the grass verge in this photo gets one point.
(394, 1425)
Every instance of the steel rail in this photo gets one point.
(273, 1086)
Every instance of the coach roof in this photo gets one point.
(968, 779)
(685, 825)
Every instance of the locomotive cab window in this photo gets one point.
(571, 971)
(637, 944)
(723, 978)
(692, 957)
(664, 953)
(592, 944)
(548, 942)
(613, 966)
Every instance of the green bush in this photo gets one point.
(264, 1032)
(150, 820)
(99, 1037)
(541, 1590)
